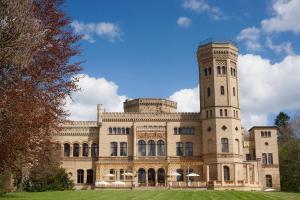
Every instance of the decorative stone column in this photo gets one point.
(90, 150)
(71, 150)
(207, 172)
(235, 174)
(80, 150)
(222, 174)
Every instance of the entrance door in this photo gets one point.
(151, 177)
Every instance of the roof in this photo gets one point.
(216, 41)
(263, 127)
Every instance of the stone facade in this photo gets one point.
(152, 145)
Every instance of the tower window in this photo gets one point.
(222, 90)
(205, 71)
(209, 70)
(223, 70)
(207, 114)
(237, 115)
(208, 92)
(231, 71)
(234, 113)
(221, 112)
(233, 91)
(225, 111)
(224, 143)
(219, 70)
(210, 112)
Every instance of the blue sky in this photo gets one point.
(146, 50)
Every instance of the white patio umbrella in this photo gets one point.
(119, 183)
(175, 174)
(110, 175)
(192, 175)
(101, 183)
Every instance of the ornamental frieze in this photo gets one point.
(150, 135)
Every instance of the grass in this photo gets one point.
(149, 194)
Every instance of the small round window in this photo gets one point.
(266, 143)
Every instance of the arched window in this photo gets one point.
(80, 175)
(85, 149)
(180, 177)
(66, 150)
(123, 149)
(141, 176)
(226, 173)
(205, 71)
(161, 176)
(160, 148)
(223, 70)
(233, 91)
(141, 148)
(75, 150)
(231, 71)
(234, 72)
(179, 149)
(208, 92)
(113, 149)
(209, 70)
(225, 147)
(151, 148)
(222, 90)
(89, 176)
(188, 149)
(94, 150)
(219, 70)
(269, 181)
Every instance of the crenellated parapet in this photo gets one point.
(165, 117)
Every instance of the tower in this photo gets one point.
(220, 110)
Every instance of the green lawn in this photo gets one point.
(149, 194)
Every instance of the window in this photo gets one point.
(209, 71)
(85, 149)
(80, 175)
(221, 112)
(225, 111)
(179, 149)
(142, 148)
(113, 149)
(224, 143)
(119, 131)
(205, 71)
(210, 113)
(151, 148)
(269, 181)
(270, 158)
(175, 131)
(223, 70)
(219, 70)
(264, 158)
(75, 150)
(121, 174)
(89, 176)
(222, 90)
(123, 131)
(233, 91)
(160, 148)
(94, 150)
(110, 131)
(234, 113)
(226, 173)
(188, 149)
(237, 114)
(265, 133)
(231, 71)
(127, 130)
(114, 131)
(123, 149)
(207, 114)
(248, 156)
(208, 92)
(180, 177)
(112, 171)
(66, 150)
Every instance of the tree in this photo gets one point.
(282, 120)
(36, 76)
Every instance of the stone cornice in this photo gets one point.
(79, 124)
(123, 116)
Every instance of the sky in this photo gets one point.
(147, 48)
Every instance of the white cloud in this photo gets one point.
(282, 47)
(264, 88)
(286, 17)
(251, 38)
(94, 91)
(184, 22)
(105, 30)
(187, 100)
(201, 6)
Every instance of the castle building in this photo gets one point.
(150, 144)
